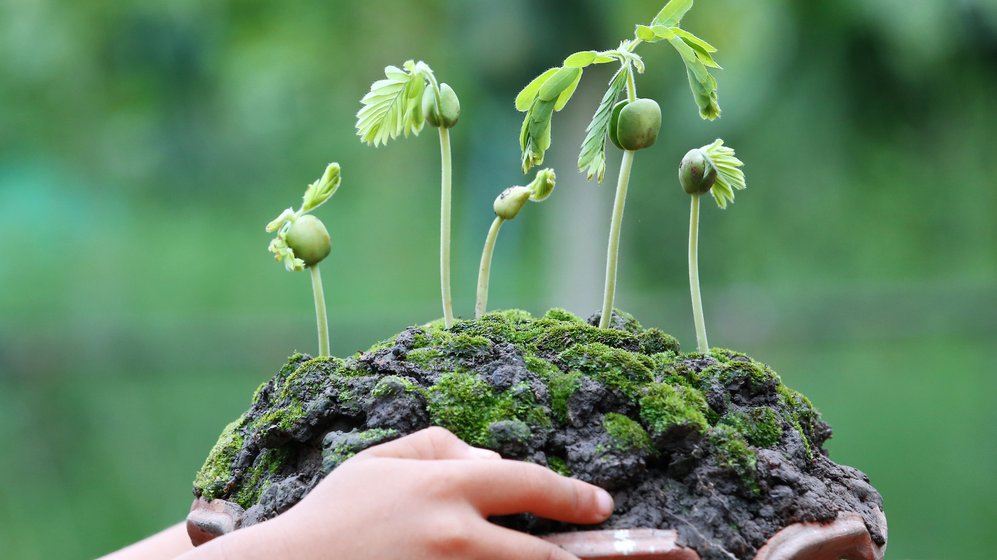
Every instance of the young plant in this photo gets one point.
(507, 207)
(631, 125)
(402, 103)
(712, 168)
(302, 242)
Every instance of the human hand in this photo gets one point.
(425, 496)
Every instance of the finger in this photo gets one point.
(500, 543)
(507, 487)
(428, 444)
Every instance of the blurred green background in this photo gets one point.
(143, 146)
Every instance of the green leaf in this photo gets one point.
(592, 158)
(646, 34)
(701, 48)
(535, 136)
(541, 186)
(562, 99)
(580, 59)
(663, 31)
(729, 174)
(524, 100)
(389, 108)
(672, 13)
(322, 189)
(278, 222)
(702, 84)
(693, 40)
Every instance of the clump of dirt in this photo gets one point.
(714, 446)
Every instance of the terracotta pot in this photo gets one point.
(845, 538)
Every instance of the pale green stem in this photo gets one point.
(612, 253)
(445, 226)
(697, 300)
(486, 266)
(321, 321)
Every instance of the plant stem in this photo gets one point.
(321, 321)
(445, 184)
(612, 253)
(486, 265)
(697, 300)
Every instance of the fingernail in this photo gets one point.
(605, 502)
(484, 453)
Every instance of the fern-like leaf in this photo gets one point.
(592, 158)
(729, 174)
(392, 106)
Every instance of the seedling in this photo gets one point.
(715, 169)
(631, 125)
(302, 242)
(507, 207)
(402, 103)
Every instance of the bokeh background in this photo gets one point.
(144, 145)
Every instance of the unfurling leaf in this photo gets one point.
(703, 85)
(730, 177)
(391, 107)
(542, 185)
(278, 222)
(534, 139)
(525, 97)
(321, 190)
(592, 158)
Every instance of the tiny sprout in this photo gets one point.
(402, 103)
(507, 206)
(635, 124)
(303, 242)
(713, 168)
(443, 110)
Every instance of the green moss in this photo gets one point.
(618, 369)
(626, 434)
(284, 417)
(393, 385)
(663, 406)
(554, 336)
(466, 405)
(255, 481)
(216, 473)
(561, 387)
(733, 452)
(339, 447)
(801, 415)
(558, 314)
(654, 341)
(466, 346)
(424, 357)
(558, 465)
(759, 425)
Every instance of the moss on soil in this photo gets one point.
(734, 404)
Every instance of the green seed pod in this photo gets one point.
(447, 113)
(638, 124)
(696, 173)
(309, 239)
(557, 83)
(614, 120)
(511, 201)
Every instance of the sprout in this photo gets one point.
(402, 103)
(507, 207)
(712, 168)
(633, 126)
(303, 242)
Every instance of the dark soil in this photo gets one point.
(714, 446)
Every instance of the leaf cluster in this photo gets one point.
(393, 106)
(317, 193)
(550, 91)
(730, 177)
